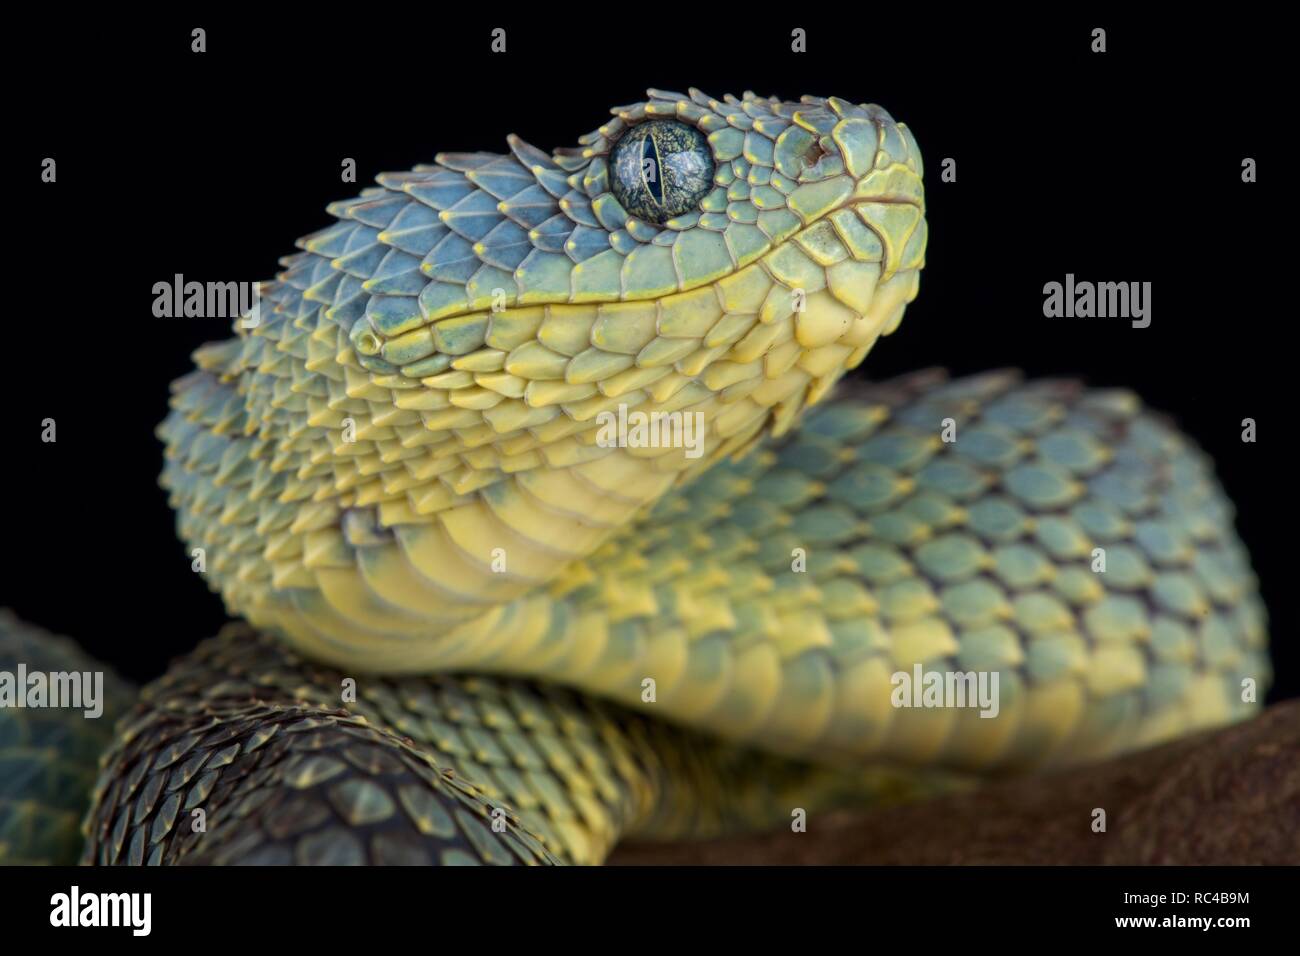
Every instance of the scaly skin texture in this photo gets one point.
(476, 431)
(971, 555)
(398, 471)
(416, 770)
(47, 756)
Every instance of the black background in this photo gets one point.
(745, 909)
(1122, 166)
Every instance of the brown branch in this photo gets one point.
(1231, 796)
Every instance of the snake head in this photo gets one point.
(689, 248)
(440, 371)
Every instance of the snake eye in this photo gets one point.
(661, 169)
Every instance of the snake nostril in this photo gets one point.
(368, 343)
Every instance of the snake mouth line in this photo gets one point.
(883, 200)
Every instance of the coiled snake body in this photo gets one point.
(399, 471)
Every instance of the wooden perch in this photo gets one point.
(1230, 796)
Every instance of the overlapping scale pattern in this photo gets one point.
(978, 554)
(399, 469)
(425, 388)
(975, 554)
(243, 753)
(48, 755)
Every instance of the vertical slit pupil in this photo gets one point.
(651, 170)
